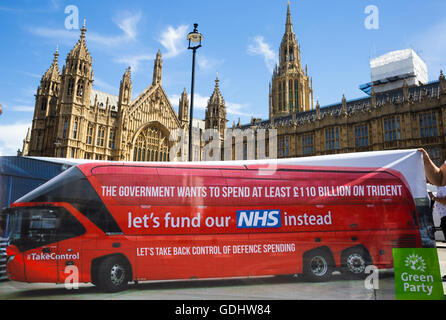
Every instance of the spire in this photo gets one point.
(125, 88)
(53, 70)
(128, 72)
(157, 69)
(289, 23)
(215, 117)
(442, 81)
(80, 49)
(344, 104)
(83, 29)
(183, 108)
(216, 95)
(56, 55)
(217, 82)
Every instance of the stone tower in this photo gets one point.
(125, 89)
(291, 88)
(183, 109)
(216, 111)
(157, 69)
(45, 112)
(76, 86)
(77, 75)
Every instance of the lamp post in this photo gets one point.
(195, 39)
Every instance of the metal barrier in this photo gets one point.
(3, 244)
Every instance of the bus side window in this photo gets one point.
(69, 227)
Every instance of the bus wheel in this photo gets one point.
(355, 262)
(318, 265)
(113, 274)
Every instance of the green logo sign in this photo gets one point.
(417, 274)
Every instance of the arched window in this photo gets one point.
(284, 95)
(280, 96)
(75, 129)
(43, 105)
(151, 145)
(89, 135)
(70, 87)
(65, 128)
(291, 54)
(101, 134)
(38, 140)
(296, 94)
(111, 141)
(80, 88)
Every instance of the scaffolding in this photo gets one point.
(389, 71)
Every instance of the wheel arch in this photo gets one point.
(95, 263)
(325, 249)
(353, 248)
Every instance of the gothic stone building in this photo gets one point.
(403, 118)
(72, 120)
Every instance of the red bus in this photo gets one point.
(122, 222)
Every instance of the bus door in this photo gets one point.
(69, 253)
(48, 235)
(69, 248)
(39, 243)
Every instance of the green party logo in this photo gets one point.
(416, 263)
(417, 274)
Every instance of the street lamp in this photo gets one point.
(195, 39)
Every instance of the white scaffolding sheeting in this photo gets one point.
(399, 64)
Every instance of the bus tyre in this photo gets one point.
(355, 262)
(318, 266)
(113, 274)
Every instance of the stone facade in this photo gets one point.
(403, 118)
(291, 89)
(72, 120)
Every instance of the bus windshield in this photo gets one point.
(33, 227)
(73, 187)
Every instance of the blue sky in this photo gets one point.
(241, 41)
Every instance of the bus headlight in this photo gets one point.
(9, 259)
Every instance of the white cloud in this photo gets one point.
(22, 108)
(104, 86)
(32, 75)
(11, 138)
(60, 35)
(7, 9)
(261, 48)
(432, 44)
(127, 22)
(235, 109)
(55, 4)
(174, 40)
(206, 64)
(134, 61)
(201, 102)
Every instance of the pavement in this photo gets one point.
(266, 288)
(441, 249)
